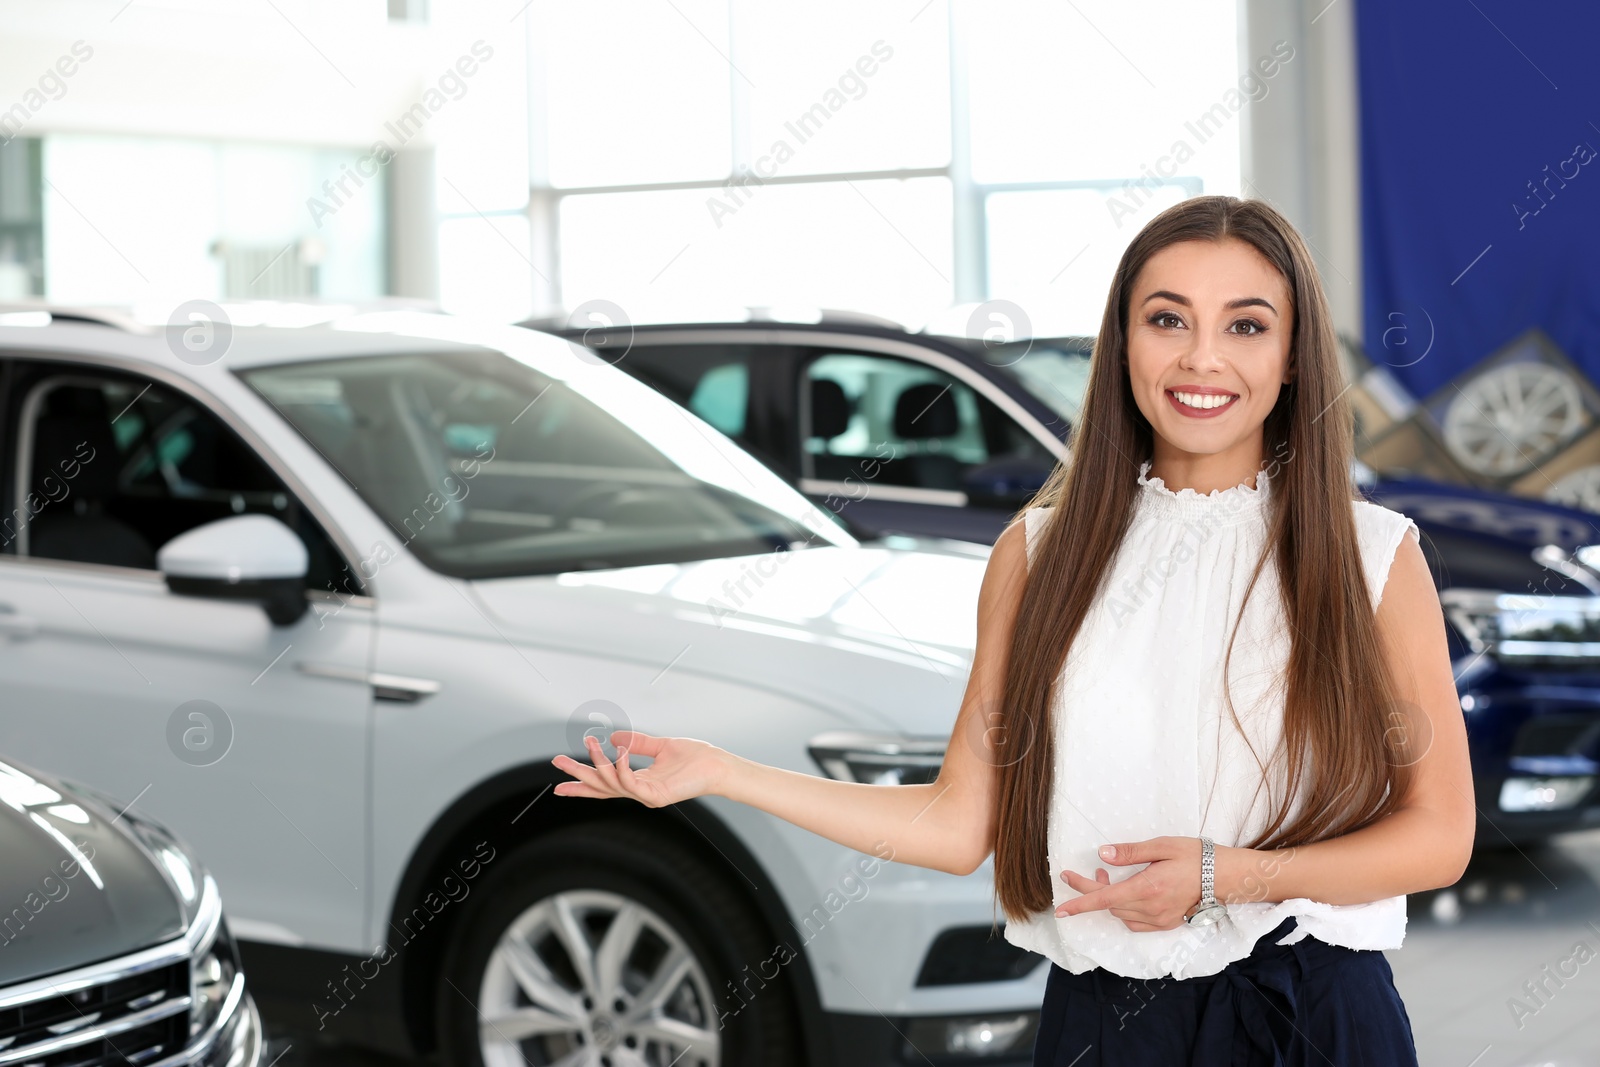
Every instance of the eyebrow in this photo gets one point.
(1242, 302)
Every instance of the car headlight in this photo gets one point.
(1527, 628)
(1544, 794)
(878, 759)
(1475, 613)
(1589, 556)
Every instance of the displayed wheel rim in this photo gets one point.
(590, 978)
(1505, 421)
(1577, 489)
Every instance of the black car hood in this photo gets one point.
(75, 888)
(1485, 540)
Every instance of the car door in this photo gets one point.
(236, 733)
(898, 445)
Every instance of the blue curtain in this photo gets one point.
(1480, 180)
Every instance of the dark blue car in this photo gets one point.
(902, 433)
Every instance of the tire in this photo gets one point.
(574, 886)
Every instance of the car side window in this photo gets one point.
(713, 381)
(111, 467)
(894, 422)
(722, 397)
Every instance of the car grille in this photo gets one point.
(126, 1014)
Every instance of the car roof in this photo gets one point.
(258, 333)
(678, 315)
(967, 348)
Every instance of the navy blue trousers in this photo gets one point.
(1309, 1004)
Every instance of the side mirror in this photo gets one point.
(245, 557)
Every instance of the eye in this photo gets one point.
(1164, 319)
(1253, 327)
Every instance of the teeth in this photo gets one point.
(1202, 400)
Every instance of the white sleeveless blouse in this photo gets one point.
(1145, 747)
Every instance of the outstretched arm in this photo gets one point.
(946, 825)
(1425, 844)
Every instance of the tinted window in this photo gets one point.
(118, 466)
(486, 466)
(722, 397)
(894, 422)
(713, 381)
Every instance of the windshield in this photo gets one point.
(1058, 375)
(486, 467)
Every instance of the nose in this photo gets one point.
(1203, 354)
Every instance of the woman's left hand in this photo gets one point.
(1156, 898)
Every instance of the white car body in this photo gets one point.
(322, 805)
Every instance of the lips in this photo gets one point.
(1201, 403)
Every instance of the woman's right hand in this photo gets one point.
(945, 825)
(683, 769)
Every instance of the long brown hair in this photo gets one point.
(1339, 731)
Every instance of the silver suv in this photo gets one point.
(326, 598)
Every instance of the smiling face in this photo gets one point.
(1209, 329)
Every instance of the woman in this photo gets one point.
(1256, 836)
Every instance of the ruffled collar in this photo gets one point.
(1238, 504)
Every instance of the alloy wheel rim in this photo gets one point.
(1504, 421)
(592, 978)
(1577, 489)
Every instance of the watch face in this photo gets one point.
(1207, 916)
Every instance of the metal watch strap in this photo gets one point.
(1209, 910)
(1208, 872)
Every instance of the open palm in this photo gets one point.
(683, 768)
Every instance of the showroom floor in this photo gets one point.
(1467, 955)
(1514, 914)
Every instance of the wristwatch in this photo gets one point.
(1209, 909)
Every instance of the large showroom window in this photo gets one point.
(141, 220)
(673, 187)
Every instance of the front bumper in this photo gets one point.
(993, 1039)
(1533, 734)
(1498, 827)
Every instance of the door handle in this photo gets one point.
(17, 627)
(390, 688)
(399, 689)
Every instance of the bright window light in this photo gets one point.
(485, 267)
(1099, 89)
(1053, 252)
(876, 246)
(637, 92)
(481, 131)
(845, 87)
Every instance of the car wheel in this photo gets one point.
(1577, 489)
(606, 945)
(1504, 421)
